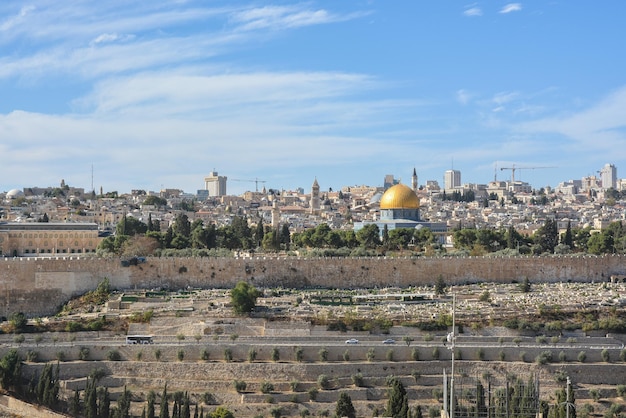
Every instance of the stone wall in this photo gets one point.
(37, 286)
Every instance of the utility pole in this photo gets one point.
(451, 339)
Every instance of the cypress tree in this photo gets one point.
(397, 403)
(344, 406)
(165, 412)
(151, 399)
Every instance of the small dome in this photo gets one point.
(399, 197)
(12, 194)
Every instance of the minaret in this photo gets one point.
(315, 197)
(414, 180)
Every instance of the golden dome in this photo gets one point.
(399, 197)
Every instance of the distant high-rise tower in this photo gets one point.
(608, 176)
(389, 181)
(452, 179)
(315, 197)
(216, 185)
(414, 180)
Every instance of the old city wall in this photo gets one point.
(39, 286)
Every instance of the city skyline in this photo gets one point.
(159, 94)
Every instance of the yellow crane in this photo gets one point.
(514, 168)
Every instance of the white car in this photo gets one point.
(389, 341)
(352, 341)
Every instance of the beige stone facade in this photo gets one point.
(47, 239)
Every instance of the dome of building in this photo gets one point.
(399, 197)
(12, 194)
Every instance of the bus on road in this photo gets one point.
(139, 339)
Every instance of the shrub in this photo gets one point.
(276, 412)
(228, 355)
(298, 353)
(522, 356)
(428, 337)
(19, 339)
(606, 357)
(323, 354)
(435, 353)
(83, 353)
(415, 354)
(180, 337)
(180, 355)
(157, 354)
(313, 393)
(501, 355)
(240, 385)
(269, 399)
(204, 354)
(139, 355)
(267, 387)
(562, 357)
(293, 398)
(113, 355)
(31, 356)
(389, 355)
(252, 354)
(582, 356)
(357, 380)
(622, 354)
(437, 394)
(595, 394)
(434, 412)
(346, 355)
(275, 354)
(621, 390)
(416, 375)
(294, 385)
(541, 339)
(480, 354)
(517, 341)
(371, 354)
(323, 381)
(544, 357)
(60, 355)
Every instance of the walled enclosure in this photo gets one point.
(38, 286)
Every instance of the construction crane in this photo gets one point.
(256, 182)
(513, 168)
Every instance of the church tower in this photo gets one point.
(275, 214)
(414, 180)
(315, 197)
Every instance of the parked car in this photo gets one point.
(352, 341)
(389, 341)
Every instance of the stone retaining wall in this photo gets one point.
(37, 286)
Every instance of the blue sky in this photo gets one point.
(156, 94)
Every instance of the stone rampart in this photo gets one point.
(37, 286)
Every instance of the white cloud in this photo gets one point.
(511, 7)
(473, 11)
(463, 96)
(282, 17)
(600, 128)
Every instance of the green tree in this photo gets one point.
(368, 236)
(344, 406)
(221, 412)
(130, 226)
(243, 298)
(546, 237)
(10, 370)
(440, 286)
(18, 322)
(568, 239)
(397, 401)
